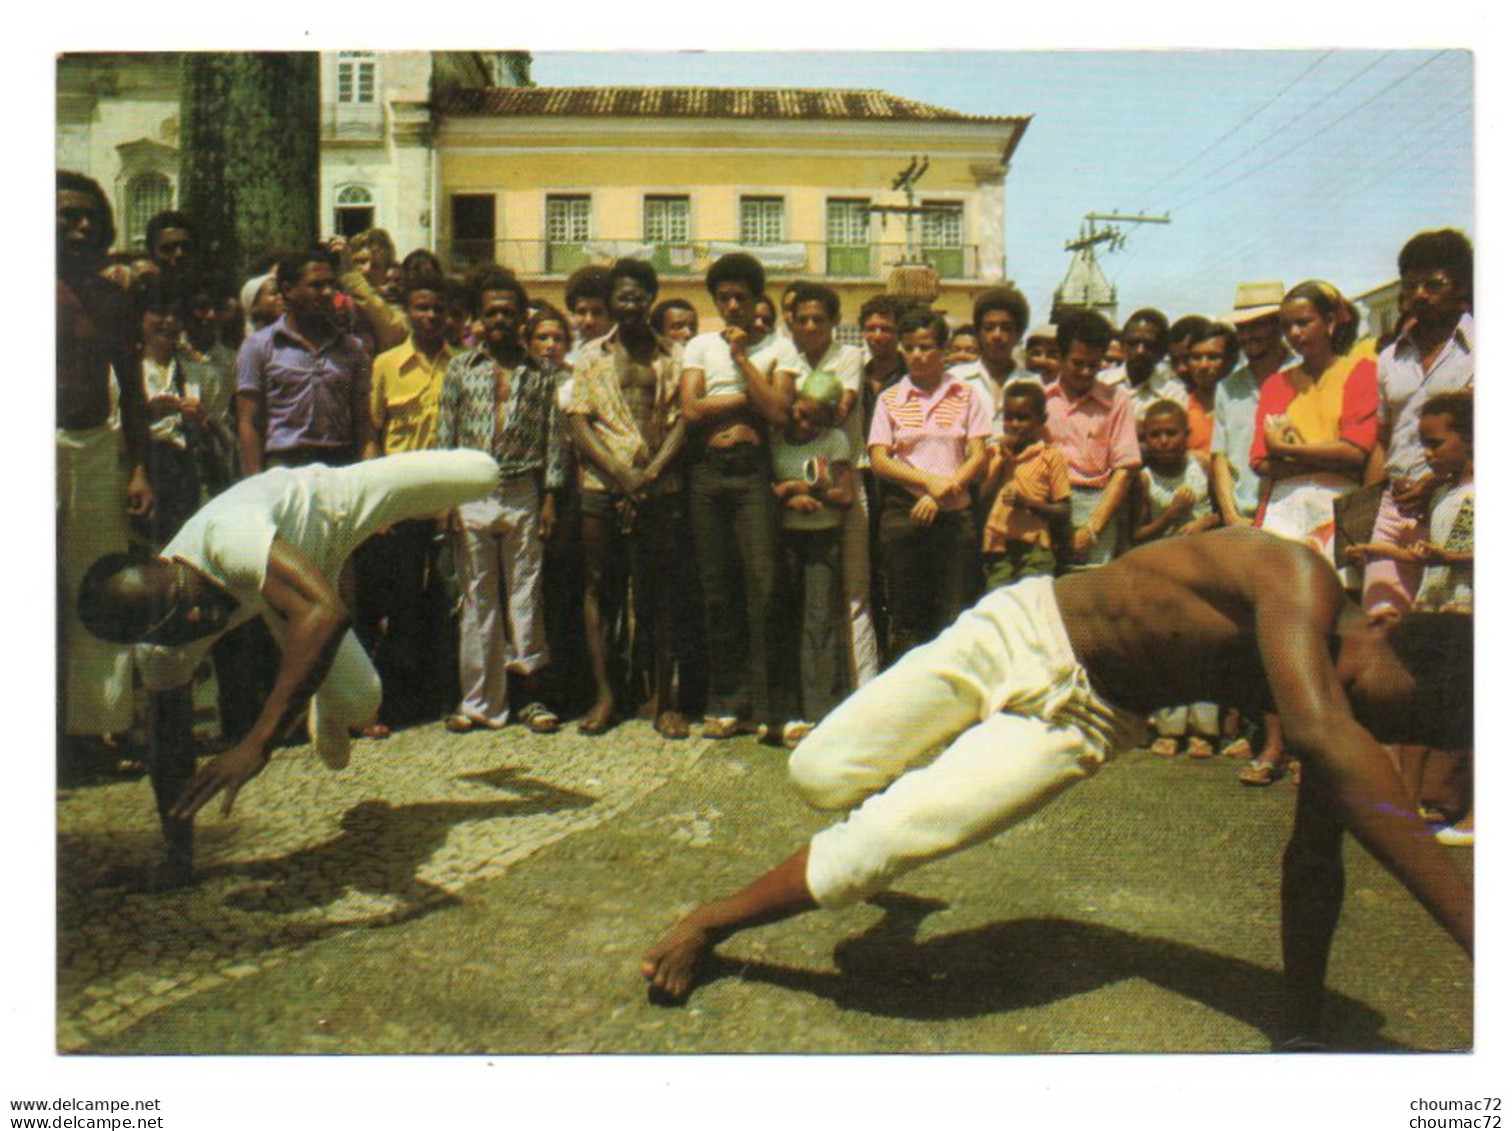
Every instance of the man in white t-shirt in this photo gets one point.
(735, 385)
(273, 547)
(816, 311)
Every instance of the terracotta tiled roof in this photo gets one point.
(699, 102)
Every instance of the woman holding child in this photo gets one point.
(1314, 430)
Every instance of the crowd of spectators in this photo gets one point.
(728, 531)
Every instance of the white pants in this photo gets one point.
(1084, 503)
(1194, 718)
(855, 565)
(91, 521)
(503, 623)
(1002, 688)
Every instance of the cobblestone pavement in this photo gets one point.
(308, 854)
(491, 894)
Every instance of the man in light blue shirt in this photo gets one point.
(1257, 318)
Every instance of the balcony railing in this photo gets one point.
(548, 259)
(351, 121)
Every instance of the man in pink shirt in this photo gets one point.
(928, 444)
(1093, 425)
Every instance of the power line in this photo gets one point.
(1313, 106)
(1433, 120)
(1316, 133)
(1173, 174)
(1232, 258)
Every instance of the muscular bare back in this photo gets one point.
(1175, 622)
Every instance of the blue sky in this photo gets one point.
(1273, 164)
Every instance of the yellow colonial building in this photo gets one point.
(543, 180)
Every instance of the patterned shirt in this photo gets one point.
(1449, 588)
(531, 440)
(598, 393)
(929, 430)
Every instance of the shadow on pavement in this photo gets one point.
(1025, 963)
(381, 848)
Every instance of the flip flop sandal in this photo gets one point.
(722, 727)
(541, 719)
(1261, 773)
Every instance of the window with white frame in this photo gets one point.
(848, 223)
(147, 194)
(942, 232)
(760, 219)
(667, 220)
(942, 224)
(355, 211)
(566, 219)
(357, 76)
(848, 233)
(566, 232)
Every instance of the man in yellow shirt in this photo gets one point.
(402, 621)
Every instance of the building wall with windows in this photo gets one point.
(543, 180)
(118, 121)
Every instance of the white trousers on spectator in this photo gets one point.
(91, 522)
(1194, 718)
(855, 565)
(1005, 695)
(503, 621)
(1084, 503)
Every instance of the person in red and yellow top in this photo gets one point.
(928, 445)
(401, 609)
(1030, 488)
(1316, 422)
(1314, 430)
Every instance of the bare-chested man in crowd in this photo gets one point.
(95, 496)
(1030, 690)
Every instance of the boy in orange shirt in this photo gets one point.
(1030, 490)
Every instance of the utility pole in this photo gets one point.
(1085, 287)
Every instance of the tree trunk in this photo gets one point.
(250, 156)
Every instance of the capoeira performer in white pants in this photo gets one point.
(1030, 690)
(273, 546)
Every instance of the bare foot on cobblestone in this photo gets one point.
(671, 966)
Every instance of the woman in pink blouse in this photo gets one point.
(928, 445)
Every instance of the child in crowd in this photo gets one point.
(1446, 430)
(963, 346)
(815, 483)
(765, 321)
(675, 319)
(1030, 492)
(1175, 500)
(1042, 354)
(1210, 357)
